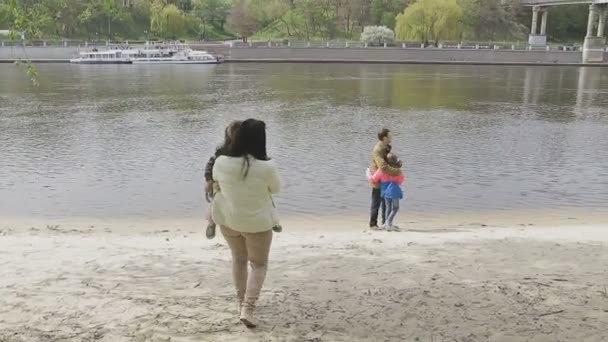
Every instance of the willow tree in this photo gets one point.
(430, 21)
(26, 20)
(167, 20)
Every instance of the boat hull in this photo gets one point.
(135, 61)
(85, 61)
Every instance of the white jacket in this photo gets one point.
(245, 204)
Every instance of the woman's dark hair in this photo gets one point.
(249, 141)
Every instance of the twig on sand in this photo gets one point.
(551, 313)
(217, 330)
(197, 285)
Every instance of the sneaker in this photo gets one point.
(247, 316)
(210, 232)
(277, 229)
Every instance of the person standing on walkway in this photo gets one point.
(244, 210)
(379, 153)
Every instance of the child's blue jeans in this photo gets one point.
(392, 208)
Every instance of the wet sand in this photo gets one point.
(327, 282)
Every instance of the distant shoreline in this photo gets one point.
(351, 55)
(338, 61)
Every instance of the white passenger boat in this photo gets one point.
(102, 57)
(175, 54)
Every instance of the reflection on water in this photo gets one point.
(123, 141)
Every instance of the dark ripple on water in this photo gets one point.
(132, 141)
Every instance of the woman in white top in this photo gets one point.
(244, 210)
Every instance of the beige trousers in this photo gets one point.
(252, 248)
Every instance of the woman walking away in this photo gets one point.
(244, 210)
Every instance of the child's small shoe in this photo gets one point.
(277, 229)
(393, 229)
(210, 233)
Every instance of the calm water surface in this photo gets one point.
(131, 141)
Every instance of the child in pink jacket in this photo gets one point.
(390, 191)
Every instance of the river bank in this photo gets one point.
(342, 55)
(77, 282)
(340, 61)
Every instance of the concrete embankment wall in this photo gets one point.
(391, 55)
(405, 55)
(36, 52)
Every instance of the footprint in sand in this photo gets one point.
(310, 246)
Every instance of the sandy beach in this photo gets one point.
(466, 282)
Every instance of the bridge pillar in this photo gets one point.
(536, 39)
(593, 48)
(591, 20)
(534, 20)
(601, 26)
(543, 23)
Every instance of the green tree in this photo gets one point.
(212, 12)
(185, 5)
(27, 16)
(383, 12)
(492, 19)
(110, 11)
(267, 11)
(566, 23)
(241, 20)
(430, 21)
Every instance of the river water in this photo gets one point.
(132, 141)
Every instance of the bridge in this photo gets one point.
(595, 39)
(561, 2)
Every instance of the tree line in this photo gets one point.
(422, 20)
